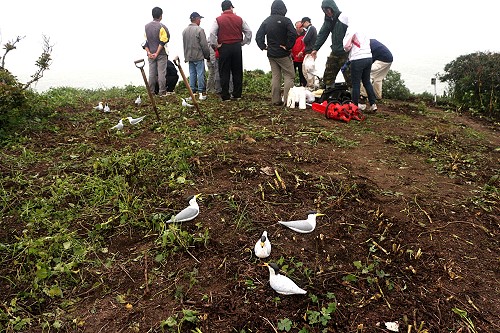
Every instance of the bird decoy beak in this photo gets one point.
(320, 214)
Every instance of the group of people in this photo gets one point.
(290, 49)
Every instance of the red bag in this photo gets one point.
(339, 111)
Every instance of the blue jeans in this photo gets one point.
(197, 75)
(360, 72)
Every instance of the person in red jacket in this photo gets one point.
(297, 54)
(229, 32)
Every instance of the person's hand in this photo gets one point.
(300, 54)
(314, 54)
(345, 66)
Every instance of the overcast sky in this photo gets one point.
(96, 42)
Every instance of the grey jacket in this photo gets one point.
(195, 43)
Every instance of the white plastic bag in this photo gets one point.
(309, 71)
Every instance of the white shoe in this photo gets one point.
(202, 97)
(362, 107)
(373, 108)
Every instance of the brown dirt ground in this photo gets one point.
(383, 204)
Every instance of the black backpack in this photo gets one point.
(339, 92)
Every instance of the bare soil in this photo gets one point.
(402, 191)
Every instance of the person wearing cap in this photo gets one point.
(309, 41)
(196, 50)
(228, 33)
(338, 56)
(157, 37)
(280, 34)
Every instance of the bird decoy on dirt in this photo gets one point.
(262, 248)
(134, 121)
(188, 213)
(106, 108)
(99, 107)
(118, 126)
(138, 100)
(282, 284)
(186, 104)
(303, 226)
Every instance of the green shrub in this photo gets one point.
(474, 81)
(11, 92)
(394, 87)
(12, 100)
(257, 82)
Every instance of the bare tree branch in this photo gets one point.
(9, 46)
(43, 63)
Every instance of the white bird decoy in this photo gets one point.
(303, 226)
(262, 248)
(106, 108)
(186, 104)
(138, 100)
(99, 107)
(118, 126)
(188, 213)
(282, 284)
(134, 121)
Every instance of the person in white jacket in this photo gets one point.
(358, 45)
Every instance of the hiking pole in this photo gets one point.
(178, 64)
(140, 64)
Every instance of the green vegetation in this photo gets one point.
(474, 81)
(85, 217)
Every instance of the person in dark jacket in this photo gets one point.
(172, 78)
(280, 34)
(337, 56)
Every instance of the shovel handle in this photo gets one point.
(138, 63)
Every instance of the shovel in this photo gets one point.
(193, 99)
(140, 64)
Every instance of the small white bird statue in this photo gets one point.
(303, 226)
(138, 100)
(134, 121)
(99, 107)
(106, 108)
(188, 213)
(186, 104)
(118, 126)
(282, 284)
(262, 248)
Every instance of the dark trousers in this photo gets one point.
(231, 63)
(360, 72)
(298, 68)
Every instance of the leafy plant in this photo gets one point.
(285, 324)
(394, 87)
(474, 80)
